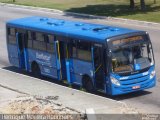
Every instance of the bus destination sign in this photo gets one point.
(127, 40)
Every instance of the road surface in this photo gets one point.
(148, 100)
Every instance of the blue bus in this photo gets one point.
(109, 59)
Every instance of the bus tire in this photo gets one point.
(87, 84)
(36, 70)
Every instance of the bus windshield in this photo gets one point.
(132, 58)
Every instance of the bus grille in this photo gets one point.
(129, 89)
(133, 81)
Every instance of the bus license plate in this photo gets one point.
(136, 87)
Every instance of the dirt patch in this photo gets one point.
(128, 109)
(38, 105)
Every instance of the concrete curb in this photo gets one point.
(90, 110)
(78, 15)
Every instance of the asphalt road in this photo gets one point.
(148, 100)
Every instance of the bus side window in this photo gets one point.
(50, 43)
(11, 35)
(81, 50)
(29, 36)
(39, 36)
(12, 31)
(51, 39)
(74, 50)
(38, 42)
(84, 51)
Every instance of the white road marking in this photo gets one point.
(90, 114)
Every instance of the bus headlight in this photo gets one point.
(153, 73)
(115, 81)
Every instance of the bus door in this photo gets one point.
(22, 53)
(61, 57)
(98, 63)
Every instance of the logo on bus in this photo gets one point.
(41, 56)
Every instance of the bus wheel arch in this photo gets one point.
(87, 83)
(35, 69)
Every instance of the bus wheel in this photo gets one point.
(87, 84)
(36, 70)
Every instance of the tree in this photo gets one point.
(132, 4)
(143, 5)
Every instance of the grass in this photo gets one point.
(114, 8)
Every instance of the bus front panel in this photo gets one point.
(132, 64)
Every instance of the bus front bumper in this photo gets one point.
(119, 90)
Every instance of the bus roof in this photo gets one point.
(75, 29)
